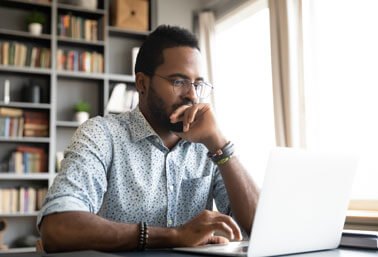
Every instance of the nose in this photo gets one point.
(192, 95)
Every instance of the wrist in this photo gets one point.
(160, 237)
(215, 142)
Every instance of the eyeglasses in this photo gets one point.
(183, 86)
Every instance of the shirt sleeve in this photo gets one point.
(222, 201)
(82, 182)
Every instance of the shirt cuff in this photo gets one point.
(61, 204)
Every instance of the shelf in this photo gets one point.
(81, 10)
(114, 31)
(19, 250)
(80, 41)
(32, 176)
(26, 70)
(26, 214)
(80, 74)
(25, 139)
(25, 4)
(25, 105)
(24, 35)
(121, 78)
(68, 124)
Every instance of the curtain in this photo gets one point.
(206, 29)
(287, 72)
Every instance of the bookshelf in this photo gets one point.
(60, 88)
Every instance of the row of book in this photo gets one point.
(28, 160)
(16, 122)
(21, 200)
(77, 27)
(73, 60)
(18, 54)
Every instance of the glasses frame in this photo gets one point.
(195, 84)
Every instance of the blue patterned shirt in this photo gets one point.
(118, 168)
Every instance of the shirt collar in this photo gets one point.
(139, 126)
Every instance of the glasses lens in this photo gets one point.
(203, 89)
(181, 86)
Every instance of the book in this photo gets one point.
(360, 238)
(11, 53)
(33, 57)
(5, 54)
(41, 195)
(18, 163)
(117, 99)
(134, 54)
(22, 200)
(35, 124)
(74, 60)
(32, 203)
(35, 133)
(10, 112)
(129, 99)
(28, 160)
(59, 158)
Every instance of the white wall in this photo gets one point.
(177, 12)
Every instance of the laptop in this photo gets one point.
(302, 205)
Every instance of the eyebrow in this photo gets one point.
(183, 76)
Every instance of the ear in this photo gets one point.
(142, 83)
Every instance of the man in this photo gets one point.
(143, 179)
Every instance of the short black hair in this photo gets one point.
(150, 54)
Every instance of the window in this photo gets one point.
(243, 88)
(341, 83)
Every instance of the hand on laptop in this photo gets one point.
(200, 230)
(199, 125)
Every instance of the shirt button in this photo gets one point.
(171, 188)
(170, 222)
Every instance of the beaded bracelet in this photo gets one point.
(223, 154)
(143, 236)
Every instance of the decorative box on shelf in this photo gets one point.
(130, 14)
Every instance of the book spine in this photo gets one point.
(7, 125)
(5, 54)
(11, 53)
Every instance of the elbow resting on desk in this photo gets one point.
(70, 231)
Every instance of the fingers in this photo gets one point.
(218, 240)
(177, 115)
(189, 116)
(232, 225)
(186, 114)
(223, 227)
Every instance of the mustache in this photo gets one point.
(185, 102)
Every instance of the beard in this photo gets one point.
(158, 109)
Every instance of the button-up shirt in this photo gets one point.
(118, 168)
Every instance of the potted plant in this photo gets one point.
(82, 110)
(35, 22)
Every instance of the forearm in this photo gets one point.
(71, 231)
(241, 189)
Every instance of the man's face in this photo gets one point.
(162, 99)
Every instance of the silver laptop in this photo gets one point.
(302, 205)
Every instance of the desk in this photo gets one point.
(341, 252)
